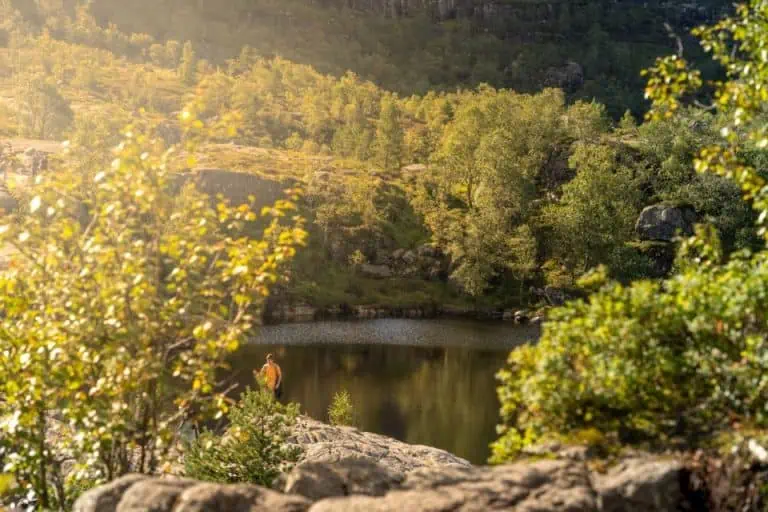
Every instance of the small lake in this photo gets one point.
(425, 382)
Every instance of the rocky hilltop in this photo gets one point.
(345, 469)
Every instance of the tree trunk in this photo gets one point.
(45, 501)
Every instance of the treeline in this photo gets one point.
(516, 187)
(513, 189)
(593, 49)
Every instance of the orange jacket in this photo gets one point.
(273, 375)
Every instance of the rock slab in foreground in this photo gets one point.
(134, 493)
(317, 480)
(640, 485)
(542, 486)
(346, 470)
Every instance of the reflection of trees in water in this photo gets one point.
(443, 397)
(461, 412)
(391, 419)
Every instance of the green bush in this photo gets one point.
(253, 448)
(667, 361)
(646, 362)
(121, 308)
(341, 411)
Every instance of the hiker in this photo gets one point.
(272, 375)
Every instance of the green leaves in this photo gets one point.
(124, 303)
(253, 449)
(685, 357)
(341, 410)
(598, 208)
(478, 202)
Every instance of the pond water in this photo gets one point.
(425, 382)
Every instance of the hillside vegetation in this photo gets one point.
(466, 197)
(127, 285)
(593, 49)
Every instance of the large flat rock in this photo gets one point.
(327, 443)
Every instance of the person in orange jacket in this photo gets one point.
(272, 375)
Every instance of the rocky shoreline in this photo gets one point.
(306, 313)
(346, 470)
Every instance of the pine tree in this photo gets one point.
(627, 122)
(389, 135)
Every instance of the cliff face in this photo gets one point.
(592, 49)
(490, 12)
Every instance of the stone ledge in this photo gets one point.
(354, 484)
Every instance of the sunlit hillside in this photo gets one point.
(435, 45)
(471, 197)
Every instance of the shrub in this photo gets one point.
(341, 411)
(253, 448)
(42, 112)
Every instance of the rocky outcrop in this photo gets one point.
(8, 203)
(425, 262)
(376, 271)
(553, 296)
(569, 77)
(328, 444)
(660, 255)
(543, 486)
(278, 312)
(641, 485)
(236, 187)
(354, 485)
(134, 493)
(663, 223)
(346, 470)
(317, 480)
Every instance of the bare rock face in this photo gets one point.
(153, 494)
(236, 187)
(8, 203)
(107, 497)
(317, 480)
(134, 493)
(236, 498)
(327, 443)
(541, 486)
(663, 223)
(569, 77)
(641, 485)
(376, 271)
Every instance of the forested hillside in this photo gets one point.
(473, 196)
(589, 48)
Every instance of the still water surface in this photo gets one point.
(421, 381)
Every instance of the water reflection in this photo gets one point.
(421, 381)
